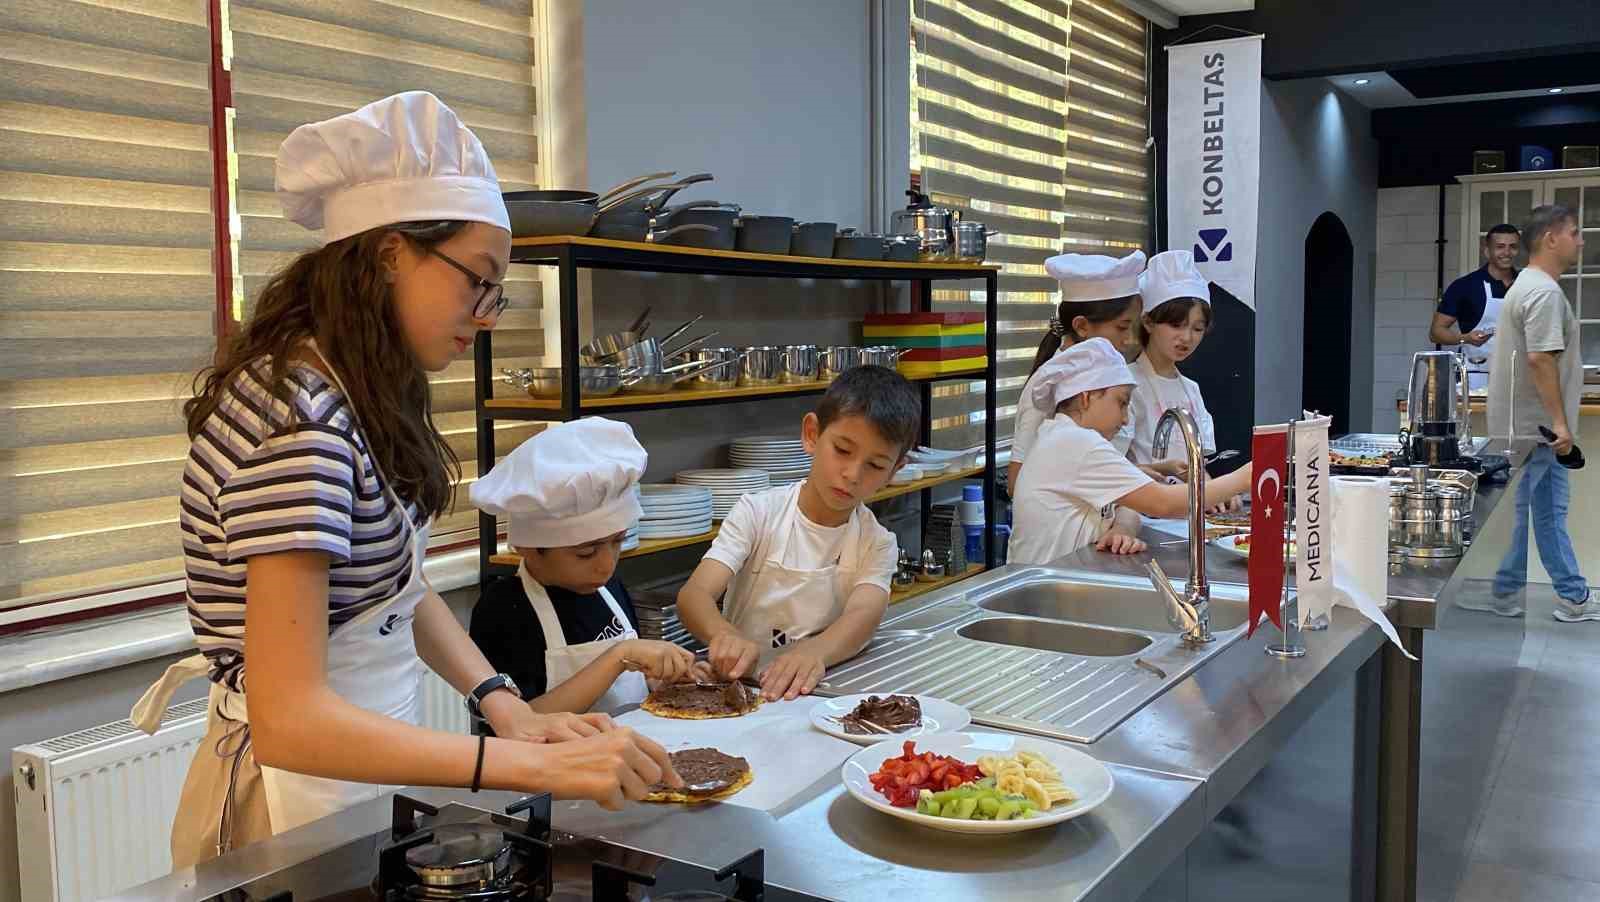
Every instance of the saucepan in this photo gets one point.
(724, 369)
(652, 204)
(537, 213)
(881, 355)
(646, 379)
(545, 382)
(972, 241)
(838, 358)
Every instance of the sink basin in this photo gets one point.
(1132, 606)
(1043, 635)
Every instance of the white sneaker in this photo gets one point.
(1567, 612)
(1504, 605)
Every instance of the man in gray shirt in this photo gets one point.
(1537, 380)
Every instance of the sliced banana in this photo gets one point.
(1042, 771)
(1063, 795)
(1036, 794)
(1012, 784)
(989, 765)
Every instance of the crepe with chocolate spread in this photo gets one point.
(886, 714)
(702, 701)
(707, 775)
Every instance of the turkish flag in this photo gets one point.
(1269, 453)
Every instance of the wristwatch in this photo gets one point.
(497, 682)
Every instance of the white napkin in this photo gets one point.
(1361, 540)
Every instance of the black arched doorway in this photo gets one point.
(1329, 309)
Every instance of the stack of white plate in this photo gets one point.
(727, 486)
(674, 511)
(782, 456)
(631, 540)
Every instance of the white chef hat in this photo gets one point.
(1096, 277)
(404, 158)
(1172, 275)
(1086, 366)
(569, 485)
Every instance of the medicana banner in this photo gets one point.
(1214, 158)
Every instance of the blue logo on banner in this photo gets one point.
(1213, 246)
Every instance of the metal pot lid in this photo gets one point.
(462, 855)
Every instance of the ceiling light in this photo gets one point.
(1557, 90)
(1363, 81)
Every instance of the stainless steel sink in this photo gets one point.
(1047, 635)
(1106, 603)
(1039, 649)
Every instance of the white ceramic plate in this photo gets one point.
(1090, 779)
(938, 716)
(1226, 543)
(673, 511)
(658, 525)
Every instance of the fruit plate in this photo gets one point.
(1090, 779)
(1233, 546)
(938, 716)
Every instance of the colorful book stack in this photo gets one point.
(932, 343)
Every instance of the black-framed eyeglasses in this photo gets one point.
(492, 300)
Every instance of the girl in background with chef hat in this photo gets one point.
(1099, 299)
(314, 472)
(1176, 319)
(564, 626)
(1080, 490)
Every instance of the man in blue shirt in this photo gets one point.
(1471, 305)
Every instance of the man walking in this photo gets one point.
(1536, 379)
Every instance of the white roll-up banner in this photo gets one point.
(1214, 158)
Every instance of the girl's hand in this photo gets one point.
(1176, 469)
(1120, 543)
(606, 769)
(661, 661)
(511, 718)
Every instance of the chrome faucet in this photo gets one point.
(1191, 613)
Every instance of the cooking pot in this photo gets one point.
(972, 241)
(813, 239)
(933, 226)
(764, 234)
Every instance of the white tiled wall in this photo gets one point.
(1407, 286)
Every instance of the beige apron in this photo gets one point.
(228, 800)
(773, 605)
(562, 661)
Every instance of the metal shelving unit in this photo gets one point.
(568, 254)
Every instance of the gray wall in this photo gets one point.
(1316, 156)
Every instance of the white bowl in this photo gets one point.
(938, 716)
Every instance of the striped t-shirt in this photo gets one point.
(254, 486)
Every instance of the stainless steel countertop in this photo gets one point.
(1178, 762)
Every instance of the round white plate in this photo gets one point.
(1090, 779)
(907, 473)
(672, 493)
(938, 716)
(674, 523)
(1226, 543)
(677, 533)
(718, 475)
(669, 511)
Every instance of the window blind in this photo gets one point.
(297, 61)
(1027, 115)
(107, 301)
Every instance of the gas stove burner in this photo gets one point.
(462, 856)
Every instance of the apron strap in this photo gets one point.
(554, 636)
(616, 609)
(148, 710)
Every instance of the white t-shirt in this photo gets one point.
(1151, 398)
(1534, 316)
(1024, 435)
(1067, 497)
(814, 546)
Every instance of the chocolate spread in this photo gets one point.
(704, 771)
(711, 698)
(875, 715)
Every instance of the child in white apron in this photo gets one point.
(564, 626)
(1079, 491)
(1099, 299)
(806, 568)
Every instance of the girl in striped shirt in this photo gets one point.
(314, 472)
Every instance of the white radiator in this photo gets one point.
(95, 808)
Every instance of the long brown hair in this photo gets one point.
(1061, 324)
(338, 296)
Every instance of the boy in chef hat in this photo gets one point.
(564, 627)
(806, 567)
(1176, 319)
(1099, 299)
(1079, 490)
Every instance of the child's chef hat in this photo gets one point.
(405, 158)
(572, 484)
(1086, 366)
(1172, 275)
(1096, 277)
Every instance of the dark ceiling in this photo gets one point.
(1511, 74)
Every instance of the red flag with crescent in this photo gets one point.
(1269, 451)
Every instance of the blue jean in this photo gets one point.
(1543, 492)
